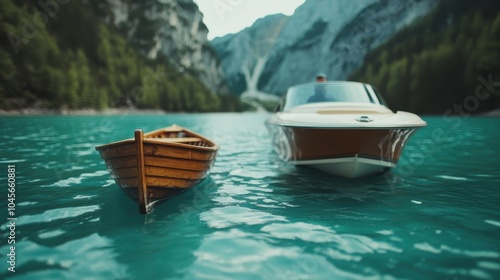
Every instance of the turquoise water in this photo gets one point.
(437, 216)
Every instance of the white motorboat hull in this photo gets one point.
(349, 167)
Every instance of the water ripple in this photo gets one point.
(89, 255)
(10, 161)
(447, 177)
(222, 255)
(229, 216)
(443, 248)
(51, 234)
(57, 214)
(75, 181)
(252, 173)
(302, 231)
(491, 222)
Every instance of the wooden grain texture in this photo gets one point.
(141, 173)
(131, 172)
(160, 182)
(116, 151)
(177, 163)
(174, 151)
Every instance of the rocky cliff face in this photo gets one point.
(172, 29)
(330, 36)
(245, 54)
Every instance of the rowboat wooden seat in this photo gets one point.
(178, 140)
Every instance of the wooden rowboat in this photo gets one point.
(159, 164)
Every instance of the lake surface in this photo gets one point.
(436, 216)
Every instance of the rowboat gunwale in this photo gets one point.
(149, 139)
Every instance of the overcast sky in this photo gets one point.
(230, 16)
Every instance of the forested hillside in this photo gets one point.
(448, 60)
(60, 55)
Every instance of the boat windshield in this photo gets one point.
(330, 92)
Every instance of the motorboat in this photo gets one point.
(343, 128)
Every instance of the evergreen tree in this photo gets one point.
(73, 60)
(432, 65)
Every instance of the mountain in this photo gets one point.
(104, 54)
(330, 36)
(244, 67)
(170, 28)
(245, 53)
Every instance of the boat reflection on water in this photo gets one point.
(343, 128)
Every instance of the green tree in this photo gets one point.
(76, 60)
(433, 64)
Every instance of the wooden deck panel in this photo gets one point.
(158, 150)
(185, 164)
(178, 152)
(157, 182)
(119, 151)
(178, 140)
(155, 171)
(122, 162)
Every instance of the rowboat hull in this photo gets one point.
(160, 165)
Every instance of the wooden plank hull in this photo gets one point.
(174, 160)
